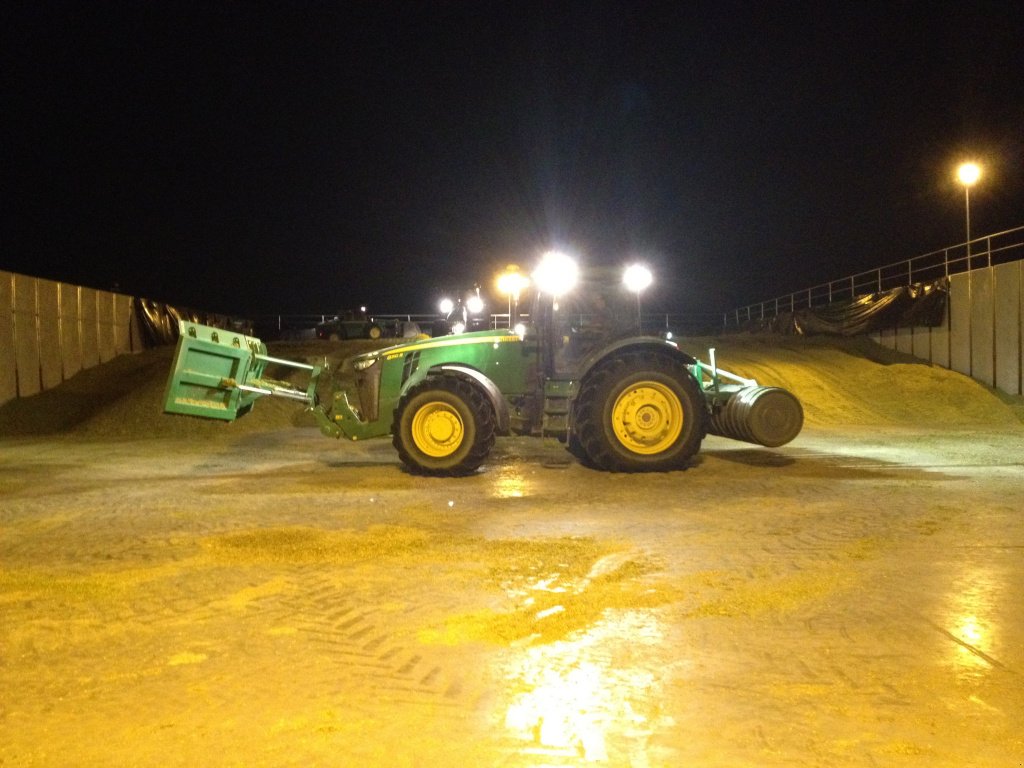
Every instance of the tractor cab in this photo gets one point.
(571, 327)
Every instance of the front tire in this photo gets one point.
(640, 413)
(443, 427)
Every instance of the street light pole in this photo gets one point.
(637, 277)
(968, 175)
(511, 282)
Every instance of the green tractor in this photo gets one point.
(578, 370)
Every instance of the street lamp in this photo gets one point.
(510, 283)
(968, 175)
(637, 277)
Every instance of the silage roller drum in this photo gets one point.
(767, 416)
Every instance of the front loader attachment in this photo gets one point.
(219, 374)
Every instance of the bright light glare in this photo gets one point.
(968, 173)
(570, 697)
(520, 330)
(510, 483)
(556, 274)
(511, 283)
(446, 306)
(475, 304)
(459, 328)
(975, 603)
(637, 277)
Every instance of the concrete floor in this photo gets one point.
(281, 599)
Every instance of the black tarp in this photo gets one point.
(920, 304)
(158, 322)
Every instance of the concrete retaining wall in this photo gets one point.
(50, 331)
(983, 336)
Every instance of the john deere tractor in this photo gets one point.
(576, 369)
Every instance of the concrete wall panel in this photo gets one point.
(26, 337)
(960, 323)
(905, 340)
(122, 323)
(1007, 303)
(921, 346)
(8, 360)
(135, 333)
(70, 330)
(940, 343)
(982, 327)
(105, 325)
(51, 369)
(90, 339)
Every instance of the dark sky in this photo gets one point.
(301, 157)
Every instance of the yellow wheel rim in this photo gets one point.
(647, 418)
(437, 429)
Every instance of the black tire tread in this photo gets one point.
(589, 428)
(483, 414)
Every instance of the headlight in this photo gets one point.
(362, 365)
(637, 277)
(556, 274)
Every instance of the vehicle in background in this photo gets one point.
(350, 324)
(462, 316)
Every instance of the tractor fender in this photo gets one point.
(497, 400)
(631, 343)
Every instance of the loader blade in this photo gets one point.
(209, 365)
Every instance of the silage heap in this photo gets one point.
(840, 382)
(855, 382)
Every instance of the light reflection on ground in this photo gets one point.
(510, 483)
(970, 621)
(591, 695)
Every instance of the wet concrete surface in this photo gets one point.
(280, 599)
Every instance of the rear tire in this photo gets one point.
(640, 413)
(443, 427)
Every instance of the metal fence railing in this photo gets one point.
(303, 325)
(988, 251)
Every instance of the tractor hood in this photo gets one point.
(364, 360)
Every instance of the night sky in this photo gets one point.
(303, 157)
